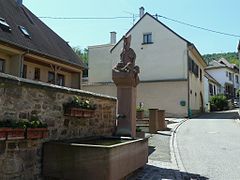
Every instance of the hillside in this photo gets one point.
(230, 56)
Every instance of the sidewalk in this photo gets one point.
(162, 162)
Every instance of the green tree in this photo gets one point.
(83, 54)
(230, 56)
(218, 102)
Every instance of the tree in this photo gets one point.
(230, 56)
(83, 54)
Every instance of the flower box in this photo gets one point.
(79, 112)
(11, 133)
(4, 133)
(37, 133)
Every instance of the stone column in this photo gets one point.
(126, 83)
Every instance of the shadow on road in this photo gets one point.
(149, 172)
(151, 149)
(219, 115)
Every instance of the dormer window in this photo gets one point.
(147, 38)
(4, 25)
(24, 31)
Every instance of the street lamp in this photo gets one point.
(238, 48)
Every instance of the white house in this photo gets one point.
(211, 87)
(226, 74)
(171, 68)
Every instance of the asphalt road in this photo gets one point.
(210, 146)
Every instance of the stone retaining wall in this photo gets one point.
(21, 98)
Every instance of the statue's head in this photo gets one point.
(126, 41)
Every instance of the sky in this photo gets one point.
(218, 15)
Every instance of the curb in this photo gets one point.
(175, 155)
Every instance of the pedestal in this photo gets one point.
(153, 121)
(126, 83)
(161, 120)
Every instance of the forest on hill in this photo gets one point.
(232, 57)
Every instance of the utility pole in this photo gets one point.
(238, 48)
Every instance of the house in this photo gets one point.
(211, 87)
(30, 49)
(171, 68)
(227, 75)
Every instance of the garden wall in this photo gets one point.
(21, 98)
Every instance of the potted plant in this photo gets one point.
(140, 111)
(79, 108)
(11, 129)
(140, 133)
(36, 129)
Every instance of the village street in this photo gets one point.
(206, 147)
(209, 145)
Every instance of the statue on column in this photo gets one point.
(125, 77)
(127, 57)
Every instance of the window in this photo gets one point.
(147, 38)
(211, 89)
(4, 25)
(189, 64)
(227, 73)
(193, 67)
(24, 75)
(60, 80)
(236, 77)
(200, 74)
(230, 76)
(2, 65)
(37, 74)
(214, 90)
(24, 31)
(51, 77)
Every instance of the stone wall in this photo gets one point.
(21, 98)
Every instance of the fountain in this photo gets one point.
(125, 76)
(104, 158)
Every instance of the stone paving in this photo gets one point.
(162, 164)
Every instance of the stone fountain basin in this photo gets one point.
(102, 158)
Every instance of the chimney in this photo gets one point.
(19, 2)
(141, 12)
(113, 37)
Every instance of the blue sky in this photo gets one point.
(219, 15)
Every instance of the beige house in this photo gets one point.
(171, 68)
(30, 49)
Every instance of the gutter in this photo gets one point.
(21, 63)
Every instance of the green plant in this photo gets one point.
(238, 92)
(140, 107)
(138, 129)
(218, 102)
(81, 103)
(34, 122)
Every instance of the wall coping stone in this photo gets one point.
(22, 81)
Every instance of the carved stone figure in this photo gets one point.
(127, 57)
